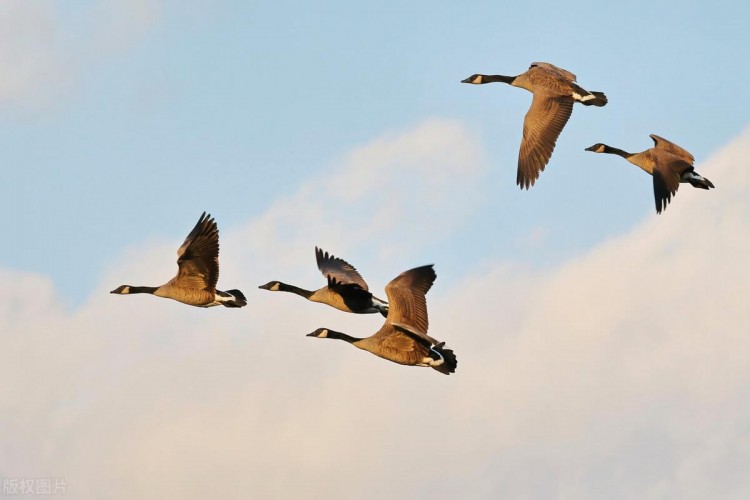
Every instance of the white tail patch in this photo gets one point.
(428, 361)
(379, 306)
(579, 97)
(435, 362)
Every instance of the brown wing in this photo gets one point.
(398, 341)
(198, 257)
(662, 143)
(407, 307)
(542, 126)
(563, 73)
(338, 270)
(668, 169)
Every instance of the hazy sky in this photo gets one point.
(602, 349)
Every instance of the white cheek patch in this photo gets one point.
(323, 334)
(275, 287)
(477, 80)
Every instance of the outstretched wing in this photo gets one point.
(541, 127)
(407, 308)
(338, 271)
(662, 143)
(198, 257)
(667, 172)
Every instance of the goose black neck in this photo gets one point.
(332, 334)
(498, 78)
(615, 151)
(293, 289)
(142, 289)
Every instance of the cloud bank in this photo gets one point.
(42, 54)
(622, 373)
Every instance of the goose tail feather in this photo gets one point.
(700, 182)
(232, 298)
(449, 363)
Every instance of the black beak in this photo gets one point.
(590, 148)
(466, 80)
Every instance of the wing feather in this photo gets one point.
(407, 308)
(338, 270)
(667, 172)
(564, 73)
(198, 257)
(541, 127)
(662, 143)
(399, 342)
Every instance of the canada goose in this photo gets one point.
(668, 164)
(403, 338)
(198, 262)
(555, 91)
(346, 290)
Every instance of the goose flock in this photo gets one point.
(403, 338)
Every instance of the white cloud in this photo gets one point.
(396, 195)
(626, 367)
(29, 55)
(118, 25)
(619, 374)
(42, 53)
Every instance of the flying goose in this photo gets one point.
(198, 262)
(555, 91)
(346, 290)
(403, 338)
(667, 163)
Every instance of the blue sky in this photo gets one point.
(152, 114)
(593, 336)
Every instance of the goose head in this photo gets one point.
(475, 79)
(273, 286)
(121, 290)
(597, 148)
(320, 333)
